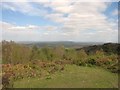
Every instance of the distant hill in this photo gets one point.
(107, 48)
(89, 47)
(66, 44)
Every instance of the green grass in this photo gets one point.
(73, 77)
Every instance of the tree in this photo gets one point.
(34, 53)
(81, 57)
(100, 53)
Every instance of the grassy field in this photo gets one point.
(73, 77)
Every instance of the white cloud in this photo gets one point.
(19, 33)
(23, 7)
(76, 18)
(12, 27)
(29, 32)
(115, 12)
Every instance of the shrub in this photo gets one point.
(92, 61)
(7, 81)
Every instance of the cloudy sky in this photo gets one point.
(60, 20)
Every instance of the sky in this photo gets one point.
(59, 20)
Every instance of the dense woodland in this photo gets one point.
(33, 61)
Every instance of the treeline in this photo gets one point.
(108, 48)
(17, 53)
(13, 53)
